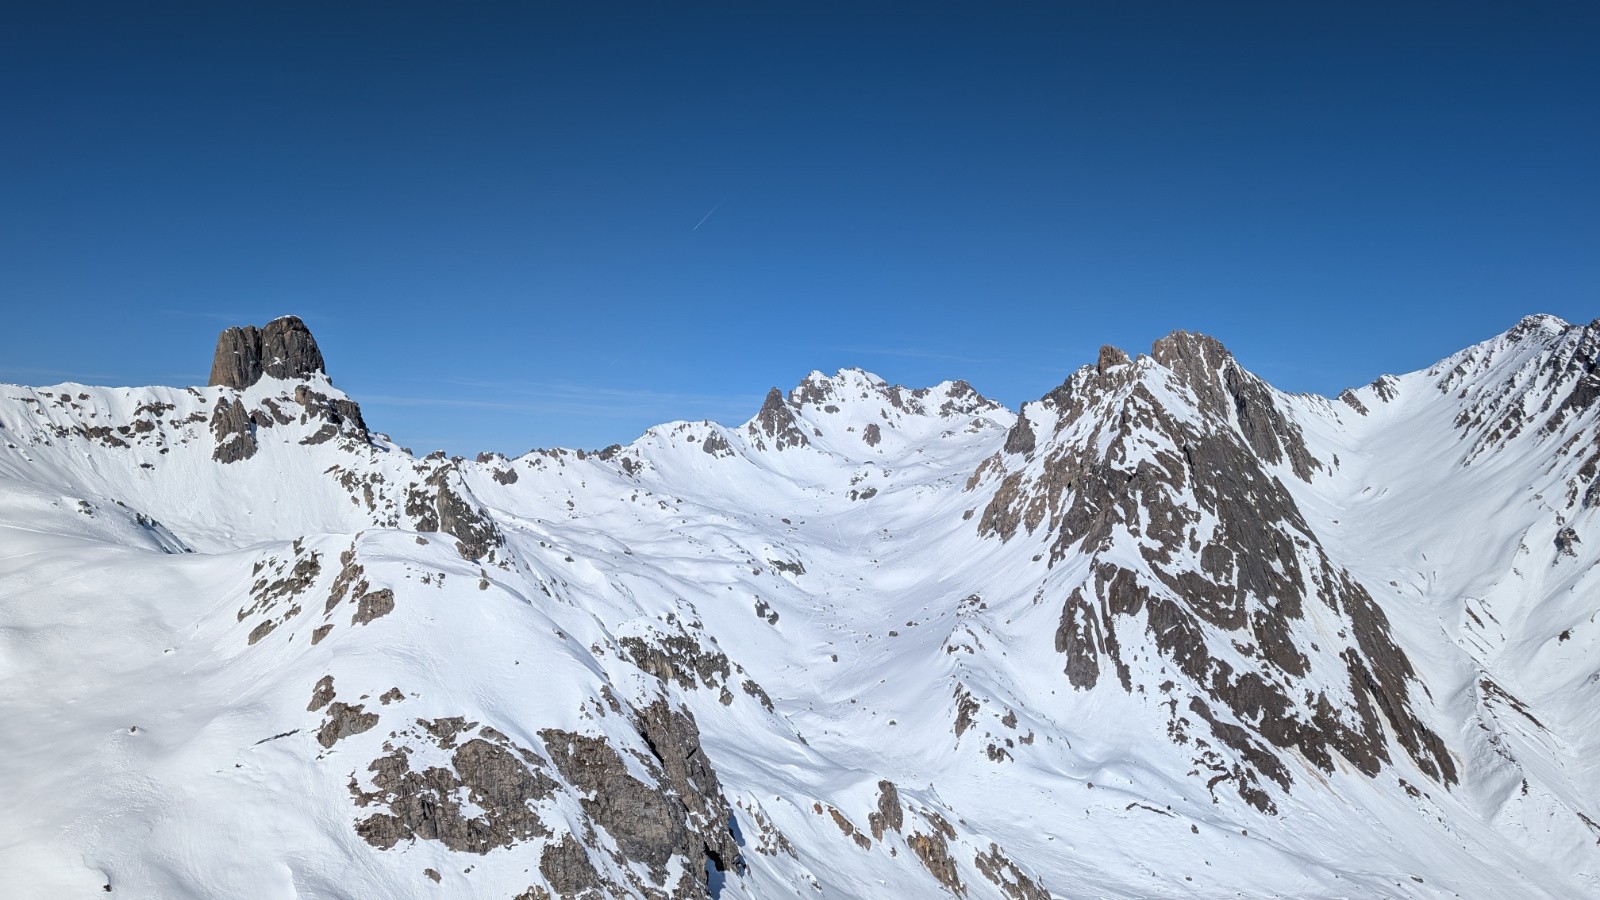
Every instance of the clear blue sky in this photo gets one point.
(532, 224)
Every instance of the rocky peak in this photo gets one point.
(817, 389)
(1536, 381)
(1110, 357)
(1226, 390)
(1490, 364)
(1538, 325)
(860, 388)
(963, 399)
(1221, 572)
(846, 387)
(283, 349)
(777, 422)
(1189, 351)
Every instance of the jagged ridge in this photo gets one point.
(874, 637)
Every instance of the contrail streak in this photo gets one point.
(708, 215)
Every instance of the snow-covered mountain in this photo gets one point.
(1166, 631)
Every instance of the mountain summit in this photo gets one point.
(283, 349)
(1165, 631)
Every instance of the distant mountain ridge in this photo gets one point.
(1165, 631)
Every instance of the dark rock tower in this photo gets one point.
(283, 349)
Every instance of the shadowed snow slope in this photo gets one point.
(1164, 632)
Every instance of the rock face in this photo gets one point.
(681, 816)
(288, 350)
(1223, 387)
(230, 425)
(337, 415)
(1225, 567)
(776, 422)
(889, 816)
(478, 799)
(1110, 357)
(1543, 393)
(343, 721)
(237, 362)
(443, 508)
(933, 851)
(283, 349)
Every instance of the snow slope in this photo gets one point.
(1164, 632)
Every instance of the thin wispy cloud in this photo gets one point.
(44, 376)
(580, 400)
(707, 216)
(401, 400)
(915, 353)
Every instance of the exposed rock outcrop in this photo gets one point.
(1223, 568)
(1021, 439)
(1349, 398)
(501, 780)
(237, 361)
(445, 509)
(933, 851)
(565, 864)
(343, 721)
(1006, 875)
(683, 815)
(338, 415)
(1567, 542)
(281, 581)
(283, 349)
(1542, 377)
(322, 694)
(1110, 357)
(888, 816)
(352, 583)
(678, 658)
(776, 422)
(675, 740)
(716, 445)
(1226, 391)
(234, 433)
(288, 350)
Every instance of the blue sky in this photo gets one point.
(519, 225)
